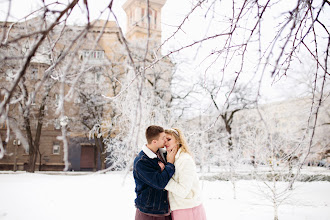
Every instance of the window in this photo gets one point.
(57, 100)
(77, 100)
(16, 142)
(143, 17)
(97, 77)
(10, 75)
(3, 125)
(155, 19)
(56, 148)
(4, 145)
(99, 54)
(152, 14)
(93, 55)
(142, 13)
(57, 124)
(86, 54)
(32, 99)
(130, 17)
(34, 73)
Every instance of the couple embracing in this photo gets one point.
(167, 185)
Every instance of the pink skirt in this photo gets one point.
(196, 213)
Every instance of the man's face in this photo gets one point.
(161, 140)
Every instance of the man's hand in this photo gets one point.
(171, 155)
(161, 165)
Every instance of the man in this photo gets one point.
(150, 180)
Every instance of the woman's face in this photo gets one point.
(170, 142)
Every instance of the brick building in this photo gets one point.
(99, 61)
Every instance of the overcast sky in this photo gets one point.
(172, 14)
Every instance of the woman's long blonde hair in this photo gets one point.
(179, 137)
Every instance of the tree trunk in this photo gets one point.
(101, 150)
(275, 211)
(38, 132)
(103, 153)
(32, 151)
(228, 120)
(40, 156)
(34, 147)
(96, 151)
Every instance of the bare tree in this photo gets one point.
(31, 103)
(241, 31)
(244, 45)
(134, 110)
(234, 100)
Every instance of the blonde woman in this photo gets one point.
(184, 191)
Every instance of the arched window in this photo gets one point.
(152, 14)
(155, 19)
(143, 20)
(130, 17)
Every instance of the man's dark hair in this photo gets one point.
(152, 133)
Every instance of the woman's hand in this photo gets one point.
(171, 155)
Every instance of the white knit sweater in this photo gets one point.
(183, 188)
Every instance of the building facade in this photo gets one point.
(289, 125)
(99, 57)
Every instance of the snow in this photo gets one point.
(82, 196)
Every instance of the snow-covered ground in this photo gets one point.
(43, 196)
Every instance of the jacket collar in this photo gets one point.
(162, 150)
(148, 152)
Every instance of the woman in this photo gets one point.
(184, 191)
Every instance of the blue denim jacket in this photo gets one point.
(151, 197)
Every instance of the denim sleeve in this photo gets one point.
(150, 174)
